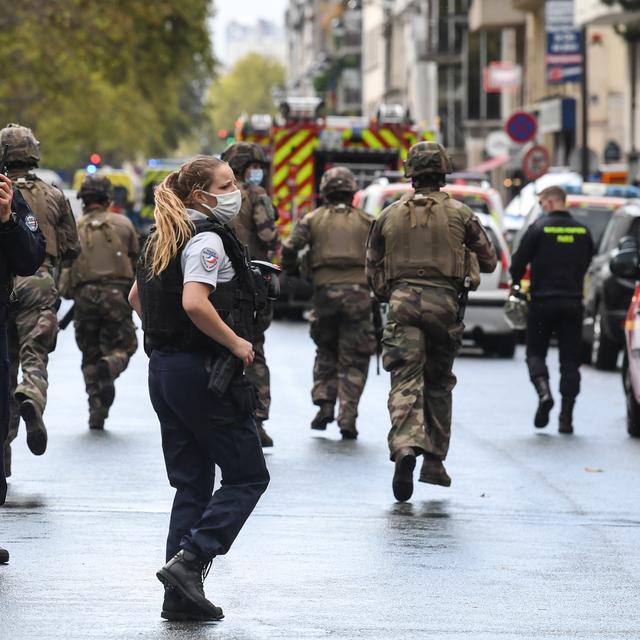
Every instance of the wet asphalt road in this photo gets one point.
(538, 537)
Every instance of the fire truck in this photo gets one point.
(301, 145)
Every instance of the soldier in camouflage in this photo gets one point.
(99, 282)
(255, 227)
(33, 326)
(342, 313)
(424, 252)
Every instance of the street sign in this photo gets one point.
(521, 127)
(498, 143)
(564, 57)
(502, 76)
(536, 162)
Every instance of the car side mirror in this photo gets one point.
(625, 259)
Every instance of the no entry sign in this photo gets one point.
(535, 162)
(521, 127)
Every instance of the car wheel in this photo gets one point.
(604, 352)
(503, 346)
(633, 408)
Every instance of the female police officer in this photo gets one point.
(193, 285)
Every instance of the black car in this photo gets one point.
(607, 296)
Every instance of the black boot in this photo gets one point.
(433, 471)
(348, 430)
(185, 571)
(545, 403)
(176, 607)
(4, 556)
(265, 439)
(323, 417)
(36, 431)
(565, 422)
(405, 461)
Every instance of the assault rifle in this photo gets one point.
(67, 318)
(378, 329)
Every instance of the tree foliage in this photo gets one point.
(121, 77)
(246, 88)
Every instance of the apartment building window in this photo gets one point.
(484, 47)
(448, 35)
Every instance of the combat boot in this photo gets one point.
(433, 471)
(565, 422)
(265, 439)
(176, 607)
(4, 556)
(36, 431)
(7, 460)
(348, 429)
(323, 417)
(107, 390)
(186, 572)
(97, 416)
(545, 402)
(405, 462)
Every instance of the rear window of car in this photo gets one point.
(477, 204)
(594, 218)
(494, 241)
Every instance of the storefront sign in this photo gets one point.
(564, 43)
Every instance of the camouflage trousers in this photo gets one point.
(105, 333)
(342, 329)
(258, 373)
(32, 331)
(421, 340)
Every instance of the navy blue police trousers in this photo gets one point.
(199, 431)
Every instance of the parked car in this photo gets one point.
(480, 199)
(593, 211)
(485, 322)
(607, 296)
(625, 264)
(518, 209)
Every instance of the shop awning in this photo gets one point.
(490, 165)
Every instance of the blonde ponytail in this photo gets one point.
(173, 227)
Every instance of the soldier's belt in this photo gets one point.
(347, 287)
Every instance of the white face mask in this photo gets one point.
(228, 205)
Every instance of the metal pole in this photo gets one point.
(584, 159)
(633, 153)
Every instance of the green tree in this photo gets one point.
(246, 88)
(123, 77)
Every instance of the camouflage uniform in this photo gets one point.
(255, 227)
(341, 316)
(33, 325)
(100, 281)
(419, 254)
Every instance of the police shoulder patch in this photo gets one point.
(32, 222)
(209, 259)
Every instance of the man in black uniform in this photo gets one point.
(559, 249)
(22, 250)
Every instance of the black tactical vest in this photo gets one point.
(165, 324)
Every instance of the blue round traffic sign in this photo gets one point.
(521, 127)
